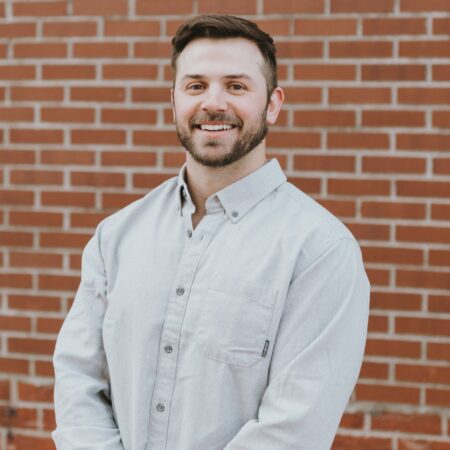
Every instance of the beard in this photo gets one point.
(241, 146)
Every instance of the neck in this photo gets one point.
(203, 181)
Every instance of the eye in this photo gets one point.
(236, 87)
(194, 86)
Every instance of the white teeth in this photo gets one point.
(215, 127)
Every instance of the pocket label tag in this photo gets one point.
(266, 346)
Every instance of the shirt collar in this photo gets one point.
(241, 196)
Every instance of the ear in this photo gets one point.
(274, 107)
(172, 100)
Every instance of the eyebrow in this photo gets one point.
(232, 76)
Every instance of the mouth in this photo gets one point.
(214, 127)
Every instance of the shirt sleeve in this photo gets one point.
(83, 409)
(317, 355)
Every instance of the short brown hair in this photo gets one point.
(218, 26)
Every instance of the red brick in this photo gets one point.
(86, 220)
(422, 326)
(37, 177)
(45, 369)
(424, 49)
(144, 94)
(438, 351)
(152, 49)
(4, 389)
(100, 7)
(35, 393)
(97, 94)
(69, 29)
(313, 118)
(275, 27)
(130, 72)
(395, 301)
(67, 157)
(392, 255)
(325, 27)
(422, 445)
(18, 417)
(293, 7)
(299, 49)
(441, 166)
(128, 116)
(14, 365)
(98, 179)
(324, 163)
(48, 325)
(155, 138)
(428, 234)
(58, 282)
(57, 114)
(407, 423)
(373, 164)
(11, 323)
(360, 49)
(36, 93)
(308, 185)
(354, 421)
(33, 303)
(358, 187)
(438, 397)
(388, 118)
(68, 72)
(420, 6)
(100, 50)
(391, 394)
(393, 210)
(366, 6)
(174, 159)
(29, 136)
(161, 7)
(441, 72)
(423, 142)
(423, 374)
(393, 348)
(424, 96)
(132, 28)
(229, 7)
(378, 371)
(423, 279)
(32, 346)
(17, 157)
(440, 212)
(423, 188)
(38, 260)
(31, 442)
(75, 262)
(36, 218)
(358, 443)
(439, 258)
(14, 114)
(441, 119)
(368, 231)
(385, 26)
(49, 420)
(393, 72)
(343, 95)
(378, 277)
(16, 239)
(16, 73)
(116, 201)
(129, 158)
(39, 9)
(356, 141)
(11, 197)
(149, 180)
(13, 30)
(98, 136)
(378, 324)
(63, 240)
(33, 50)
(290, 140)
(324, 72)
(439, 303)
(67, 199)
(441, 25)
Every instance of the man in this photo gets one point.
(225, 309)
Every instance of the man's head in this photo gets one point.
(214, 26)
(224, 93)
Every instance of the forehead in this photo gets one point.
(221, 56)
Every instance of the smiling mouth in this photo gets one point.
(214, 127)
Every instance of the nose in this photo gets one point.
(214, 99)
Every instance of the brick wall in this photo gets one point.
(85, 128)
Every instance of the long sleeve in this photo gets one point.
(317, 355)
(83, 408)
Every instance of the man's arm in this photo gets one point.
(317, 356)
(83, 409)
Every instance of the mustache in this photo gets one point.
(223, 118)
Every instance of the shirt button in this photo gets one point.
(234, 213)
(189, 233)
(180, 291)
(160, 407)
(168, 349)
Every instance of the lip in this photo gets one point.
(217, 133)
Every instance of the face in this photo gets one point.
(220, 103)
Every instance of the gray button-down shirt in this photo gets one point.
(246, 333)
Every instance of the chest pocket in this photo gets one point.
(235, 321)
